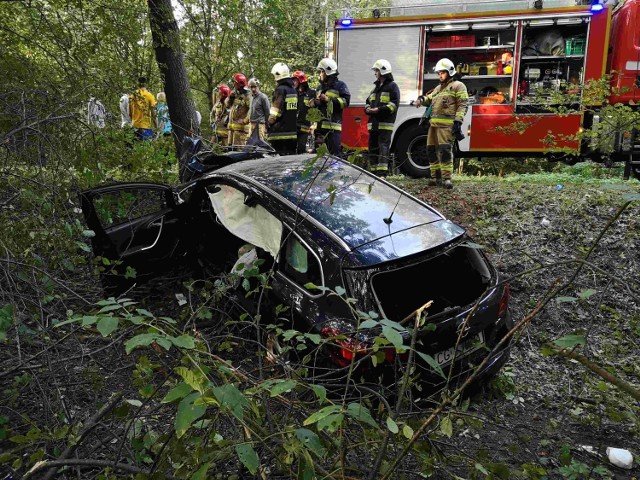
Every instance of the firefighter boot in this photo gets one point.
(447, 184)
(436, 180)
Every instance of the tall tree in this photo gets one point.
(166, 43)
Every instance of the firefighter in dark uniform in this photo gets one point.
(305, 93)
(281, 131)
(382, 109)
(331, 99)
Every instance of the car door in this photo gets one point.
(136, 225)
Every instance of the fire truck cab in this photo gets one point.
(504, 52)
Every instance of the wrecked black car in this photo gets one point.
(337, 241)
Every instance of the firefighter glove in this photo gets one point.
(457, 130)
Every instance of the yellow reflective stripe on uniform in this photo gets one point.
(236, 125)
(332, 94)
(275, 111)
(331, 126)
(392, 107)
(342, 102)
(281, 136)
(441, 121)
(385, 97)
(372, 97)
(305, 129)
(291, 101)
(385, 126)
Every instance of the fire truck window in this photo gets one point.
(483, 54)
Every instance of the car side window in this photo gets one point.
(120, 206)
(299, 264)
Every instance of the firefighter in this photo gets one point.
(281, 132)
(331, 99)
(220, 117)
(448, 102)
(238, 104)
(382, 109)
(305, 93)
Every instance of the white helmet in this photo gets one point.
(280, 70)
(329, 66)
(446, 65)
(383, 65)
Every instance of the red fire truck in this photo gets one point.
(504, 51)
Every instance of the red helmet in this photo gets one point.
(240, 79)
(225, 91)
(300, 76)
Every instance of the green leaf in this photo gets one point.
(407, 431)
(6, 319)
(566, 299)
(361, 414)
(311, 441)
(570, 341)
(480, 468)
(248, 457)
(393, 336)
(432, 363)
(109, 308)
(183, 341)
(314, 337)
(446, 427)
(369, 324)
(584, 294)
(89, 320)
(392, 425)
(144, 312)
(134, 402)
(340, 290)
(320, 391)
(331, 423)
(320, 414)
(107, 325)
(201, 473)
(88, 233)
(142, 340)
(233, 399)
(282, 387)
(191, 378)
(179, 391)
(188, 413)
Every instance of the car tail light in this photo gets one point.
(347, 347)
(504, 301)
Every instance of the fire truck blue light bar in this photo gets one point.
(597, 6)
(347, 22)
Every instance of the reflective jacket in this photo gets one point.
(304, 95)
(339, 98)
(284, 112)
(448, 103)
(220, 117)
(238, 104)
(386, 97)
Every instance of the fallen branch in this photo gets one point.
(91, 423)
(85, 462)
(618, 382)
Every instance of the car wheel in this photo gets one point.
(411, 151)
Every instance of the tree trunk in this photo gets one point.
(166, 43)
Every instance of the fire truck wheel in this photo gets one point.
(411, 151)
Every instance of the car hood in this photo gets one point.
(406, 242)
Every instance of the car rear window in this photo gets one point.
(352, 203)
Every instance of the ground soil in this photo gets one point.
(544, 417)
(555, 407)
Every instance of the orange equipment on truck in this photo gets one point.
(504, 52)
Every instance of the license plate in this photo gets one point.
(468, 346)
